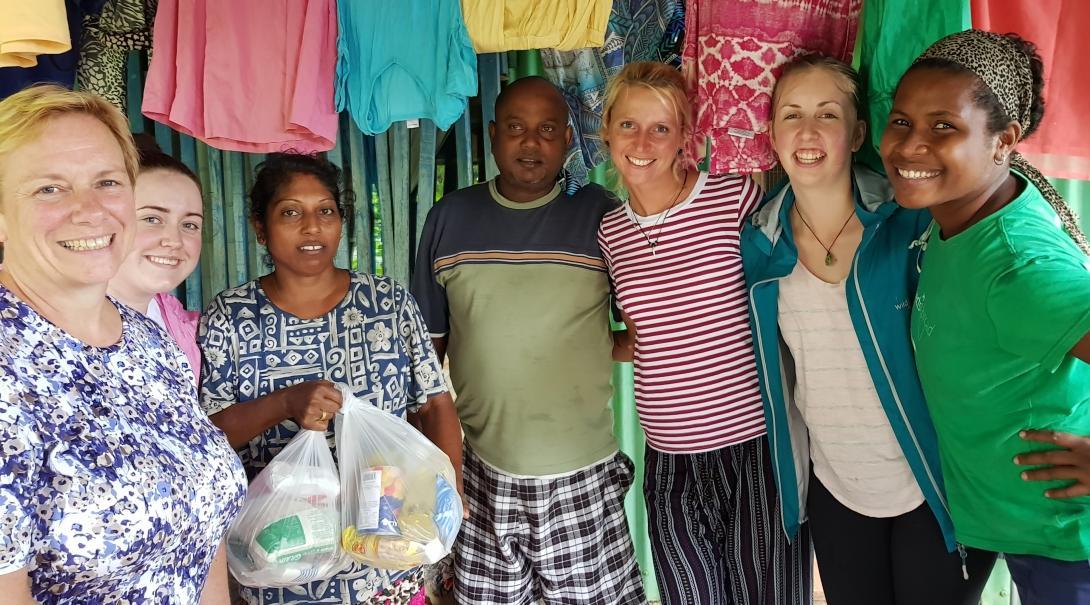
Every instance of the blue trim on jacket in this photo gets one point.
(880, 289)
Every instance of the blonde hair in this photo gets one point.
(23, 114)
(667, 84)
(850, 82)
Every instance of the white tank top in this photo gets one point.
(852, 446)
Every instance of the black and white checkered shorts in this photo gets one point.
(562, 540)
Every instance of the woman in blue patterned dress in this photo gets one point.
(114, 487)
(274, 347)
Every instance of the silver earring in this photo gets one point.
(1000, 160)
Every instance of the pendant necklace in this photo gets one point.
(830, 258)
(656, 228)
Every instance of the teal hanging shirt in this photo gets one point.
(403, 60)
(998, 309)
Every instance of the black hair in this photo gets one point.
(279, 168)
(153, 158)
(986, 99)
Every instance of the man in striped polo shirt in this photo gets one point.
(511, 282)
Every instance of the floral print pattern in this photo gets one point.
(374, 341)
(112, 481)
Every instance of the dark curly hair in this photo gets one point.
(279, 168)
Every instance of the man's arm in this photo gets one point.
(440, 344)
(624, 341)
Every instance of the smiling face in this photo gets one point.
(645, 136)
(937, 147)
(815, 129)
(530, 137)
(66, 205)
(167, 246)
(302, 227)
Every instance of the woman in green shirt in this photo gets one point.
(1002, 314)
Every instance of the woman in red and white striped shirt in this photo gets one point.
(673, 255)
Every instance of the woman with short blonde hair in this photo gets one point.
(113, 484)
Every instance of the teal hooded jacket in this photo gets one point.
(880, 290)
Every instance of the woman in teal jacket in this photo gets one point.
(832, 266)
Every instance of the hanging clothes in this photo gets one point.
(499, 25)
(637, 31)
(29, 29)
(732, 55)
(404, 60)
(56, 69)
(893, 33)
(108, 37)
(1059, 148)
(246, 75)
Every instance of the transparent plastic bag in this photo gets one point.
(401, 508)
(288, 531)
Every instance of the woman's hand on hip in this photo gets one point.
(1071, 463)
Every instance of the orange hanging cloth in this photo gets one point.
(1059, 148)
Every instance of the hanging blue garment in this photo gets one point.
(404, 60)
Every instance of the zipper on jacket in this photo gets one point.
(964, 556)
(893, 388)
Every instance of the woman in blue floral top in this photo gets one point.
(114, 488)
(274, 347)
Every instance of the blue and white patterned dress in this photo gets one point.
(114, 487)
(373, 341)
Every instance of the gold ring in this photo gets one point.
(322, 417)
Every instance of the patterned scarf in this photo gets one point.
(1005, 70)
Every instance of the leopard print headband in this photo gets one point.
(1005, 69)
(997, 61)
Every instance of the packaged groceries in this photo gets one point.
(401, 509)
(288, 531)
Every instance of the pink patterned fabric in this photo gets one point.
(732, 55)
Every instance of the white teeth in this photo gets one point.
(81, 245)
(162, 260)
(808, 157)
(917, 174)
(311, 248)
(639, 161)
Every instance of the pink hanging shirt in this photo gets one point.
(246, 75)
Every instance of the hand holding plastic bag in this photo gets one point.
(288, 532)
(400, 508)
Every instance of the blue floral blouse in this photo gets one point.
(114, 487)
(374, 341)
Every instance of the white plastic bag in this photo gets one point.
(288, 531)
(400, 505)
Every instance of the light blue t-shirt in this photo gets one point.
(403, 60)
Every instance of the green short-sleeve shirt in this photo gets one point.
(998, 309)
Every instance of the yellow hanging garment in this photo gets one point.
(29, 28)
(499, 25)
